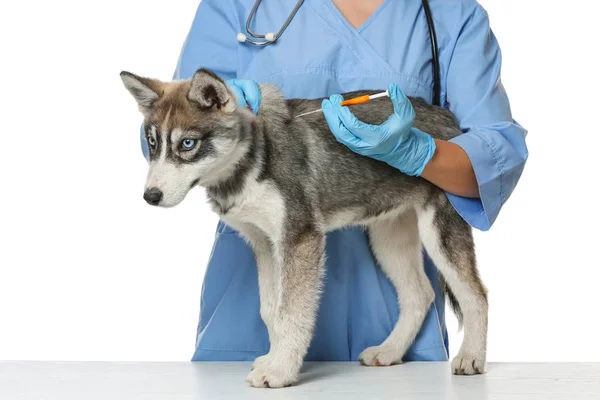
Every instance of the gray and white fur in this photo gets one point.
(284, 182)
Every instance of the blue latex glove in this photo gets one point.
(246, 92)
(395, 142)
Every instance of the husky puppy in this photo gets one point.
(284, 182)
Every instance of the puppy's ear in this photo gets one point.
(145, 91)
(208, 90)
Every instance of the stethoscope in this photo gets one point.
(271, 37)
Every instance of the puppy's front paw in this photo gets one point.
(265, 375)
(380, 356)
(468, 364)
(261, 361)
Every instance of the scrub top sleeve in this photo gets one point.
(211, 42)
(492, 139)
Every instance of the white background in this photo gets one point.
(88, 271)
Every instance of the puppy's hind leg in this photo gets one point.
(397, 247)
(448, 240)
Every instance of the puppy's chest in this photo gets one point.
(260, 204)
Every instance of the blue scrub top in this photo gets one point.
(321, 54)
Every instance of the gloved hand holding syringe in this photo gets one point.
(351, 102)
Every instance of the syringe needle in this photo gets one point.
(307, 113)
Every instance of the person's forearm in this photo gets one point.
(450, 169)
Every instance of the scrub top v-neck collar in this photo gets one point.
(364, 25)
(352, 38)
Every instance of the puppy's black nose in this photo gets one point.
(153, 196)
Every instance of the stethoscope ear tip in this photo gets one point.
(269, 38)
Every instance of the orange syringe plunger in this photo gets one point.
(356, 100)
(363, 99)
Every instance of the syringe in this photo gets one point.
(353, 101)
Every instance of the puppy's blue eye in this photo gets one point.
(188, 144)
(151, 141)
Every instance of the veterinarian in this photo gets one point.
(337, 46)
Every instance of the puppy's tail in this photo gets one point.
(452, 301)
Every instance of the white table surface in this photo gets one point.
(199, 381)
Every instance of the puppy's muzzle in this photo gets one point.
(153, 196)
